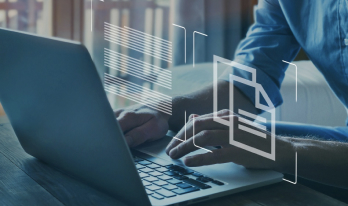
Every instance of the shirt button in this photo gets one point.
(346, 42)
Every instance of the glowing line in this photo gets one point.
(128, 64)
(167, 73)
(136, 70)
(252, 116)
(136, 40)
(185, 38)
(166, 104)
(136, 49)
(252, 131)
(194, 45)
(140, 102)
(134, 36)
(148, 35)
(148, 96)
(136, 74)
(193, 121)
(136, 32)
(137, 46)
(136, 98)
(295, 172)
(178, 139)
(139, 87)
(137, 90)
(117, 40)
(254, 124)
(295, 75)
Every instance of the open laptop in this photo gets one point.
(55, 101)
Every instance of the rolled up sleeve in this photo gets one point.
(268, 42)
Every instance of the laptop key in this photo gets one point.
(197, 183)
(138, 166)
(155, 160)
(183, 185)
(144, 162)
(153, 166)
(143, 175)
(150, 179)
(217, 182)
(165, 177)
(180, 177)
(160, 183)
(137, 159)
(157, 196)
(171, 173)
(155, 173)
(174, 181)
(162, 169)
(146, 183)
(184, 191)
(165, 193)
(185, 172)
(196, 174)
(146, 170)
(149, 192)
(170, 187)
(152, 187)
(204, 179)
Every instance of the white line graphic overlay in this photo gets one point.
(295, 74)
(194, 45)
(259, 91)
(134, 67)
(185, 37)
(139, 41)
(137, 93)
(193, 122)
(295, 172)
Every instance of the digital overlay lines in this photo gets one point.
(134, 67)
(139, 41)
(139, 94)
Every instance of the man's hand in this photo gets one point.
(210, 133)
(141, 124)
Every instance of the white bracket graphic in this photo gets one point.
(295, 75)
(193, 59)
(295, 172)
(185, 41)
(269, 108)
(193, 122)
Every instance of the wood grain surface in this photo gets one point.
(24, 180)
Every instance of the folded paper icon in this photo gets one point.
(248, 122)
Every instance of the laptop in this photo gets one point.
(57, 106)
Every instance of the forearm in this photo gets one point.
(320, 161)
(201, 102)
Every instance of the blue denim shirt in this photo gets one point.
(281, 28)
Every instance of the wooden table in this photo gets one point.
(24, 180)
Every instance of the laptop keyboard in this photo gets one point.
(165, 180)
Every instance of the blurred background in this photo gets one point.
(224, 21)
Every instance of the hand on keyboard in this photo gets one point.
(140, 124)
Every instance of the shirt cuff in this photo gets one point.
(272, 90)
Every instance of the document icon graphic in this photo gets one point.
(247, 122)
